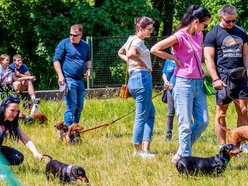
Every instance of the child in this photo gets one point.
(167, 71)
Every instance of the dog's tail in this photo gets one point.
(221, 126)
(50, 158)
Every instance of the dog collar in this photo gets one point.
(69, 170)
(225, 160)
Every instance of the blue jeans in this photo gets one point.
(140, 87)
(192, 113)
(74, 101)
(171, 111)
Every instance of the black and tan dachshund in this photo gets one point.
(191, 165)
(65, 172)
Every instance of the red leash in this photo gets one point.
(107, 124)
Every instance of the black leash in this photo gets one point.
(107, 124)
(60, 102)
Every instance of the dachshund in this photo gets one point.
(65, 172)
(41, 118)
(235, 136)
(191, 165)
(69, 134)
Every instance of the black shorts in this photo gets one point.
(236, 89)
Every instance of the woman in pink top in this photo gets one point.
(188, 92)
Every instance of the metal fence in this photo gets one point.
(108, 69)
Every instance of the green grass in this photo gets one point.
(106, 154)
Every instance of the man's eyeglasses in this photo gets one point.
(75, 35)
(229, 21)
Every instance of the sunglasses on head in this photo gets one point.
(75, 35)
(229, 21)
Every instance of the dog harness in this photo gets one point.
(68, 170)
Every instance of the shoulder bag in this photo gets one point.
(124, 92)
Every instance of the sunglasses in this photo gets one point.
(205, 25)
(75, 35)
(229, 21)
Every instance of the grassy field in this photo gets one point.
(106, 154)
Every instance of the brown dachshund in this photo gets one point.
(235, 136)
(69, 134)
(39, 117)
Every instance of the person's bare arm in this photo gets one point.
(122, 54)
(211, 67)
(88, 66)
(29, 144)
(132, 54)
(57, 67)
(158, 49)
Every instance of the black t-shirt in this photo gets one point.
(228, 44)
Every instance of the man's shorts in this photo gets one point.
(236, 89)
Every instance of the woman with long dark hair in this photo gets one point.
(9, 128)
(188, 93)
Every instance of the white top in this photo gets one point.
(144, 52)
(7, 79)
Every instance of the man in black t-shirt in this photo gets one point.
(226, 51)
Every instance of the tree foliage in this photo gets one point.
(33, 28)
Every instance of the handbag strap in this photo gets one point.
(197, 63)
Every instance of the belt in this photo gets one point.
(138, 70)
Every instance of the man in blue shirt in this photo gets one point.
(24, 78)
(71, 59)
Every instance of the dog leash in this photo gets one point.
(235, 101)
(107, 124)
(60, 102)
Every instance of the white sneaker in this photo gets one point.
(175, 158)
(143, 154)
(244, 148)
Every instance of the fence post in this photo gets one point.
(89, 40)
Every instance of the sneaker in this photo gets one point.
(175, 158)
(144, 154)
(244, 148)
(168, 136)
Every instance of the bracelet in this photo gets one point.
(216, 80)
